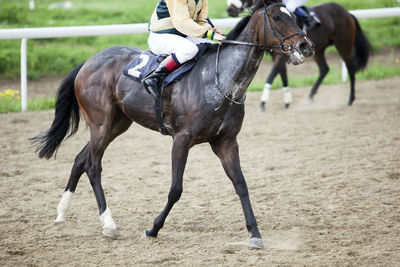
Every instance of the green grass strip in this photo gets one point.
(374, 72)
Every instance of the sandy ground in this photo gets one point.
(324, 180)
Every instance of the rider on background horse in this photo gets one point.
(176, 26)
(295, 7)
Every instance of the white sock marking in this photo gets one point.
(287, 95)
(107, 220)
(265, 94)
(63, 206)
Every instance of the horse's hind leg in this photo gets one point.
(76, 172)
(323, 70)
(180, 151)
(352, 74)
(346, 55)
(228, 152)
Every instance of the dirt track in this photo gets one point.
(324, 180)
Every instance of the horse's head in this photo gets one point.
(235, 7)
(275, 27)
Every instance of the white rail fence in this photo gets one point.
(56, 32)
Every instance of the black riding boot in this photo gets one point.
(154, 80)
(308, 21)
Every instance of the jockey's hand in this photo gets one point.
(219, 37)
(216, 30)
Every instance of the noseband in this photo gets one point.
(284, 47)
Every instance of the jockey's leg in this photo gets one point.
(305, 17)
(153, 82)
(179, 50)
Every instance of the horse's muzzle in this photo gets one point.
(306, 48)
(296, 57)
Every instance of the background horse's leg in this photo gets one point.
(345, 51)
(352, 74)
(180, 151)
(287, 95)
(228, 152)
(76, 173)
(323, 70)
(278, 68)
(267, 87)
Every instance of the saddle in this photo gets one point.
(146, 62)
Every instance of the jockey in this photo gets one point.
(176, 26)
(295, 7)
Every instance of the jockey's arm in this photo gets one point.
(202, 17)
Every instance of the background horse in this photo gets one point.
(337, 27)
(196, 109)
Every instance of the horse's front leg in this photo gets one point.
(180, 150)
(228, 152)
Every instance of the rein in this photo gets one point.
(284, 47)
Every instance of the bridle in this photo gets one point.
(285, 48)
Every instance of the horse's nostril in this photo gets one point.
(304, 46)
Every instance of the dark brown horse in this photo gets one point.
(338, 27)
(195, 111)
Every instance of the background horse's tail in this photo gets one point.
(362, 48)
(66, 118)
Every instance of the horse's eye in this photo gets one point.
(276, 17)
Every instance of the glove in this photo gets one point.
(218, 37)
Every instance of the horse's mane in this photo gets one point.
(233, 34)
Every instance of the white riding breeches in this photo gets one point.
(293, 4)
(184, 48)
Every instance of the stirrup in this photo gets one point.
(155, 94)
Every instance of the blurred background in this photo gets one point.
(50, 59)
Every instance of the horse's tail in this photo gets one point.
(362, 48)
(66, 118)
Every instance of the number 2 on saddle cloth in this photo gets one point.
(141, 66)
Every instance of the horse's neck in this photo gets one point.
(238, 65)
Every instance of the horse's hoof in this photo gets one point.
(262, 107)
(287, 106)
(149, 234)
(60, 218)
(256, 242)
(110, 232)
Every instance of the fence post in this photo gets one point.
(24, 95)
